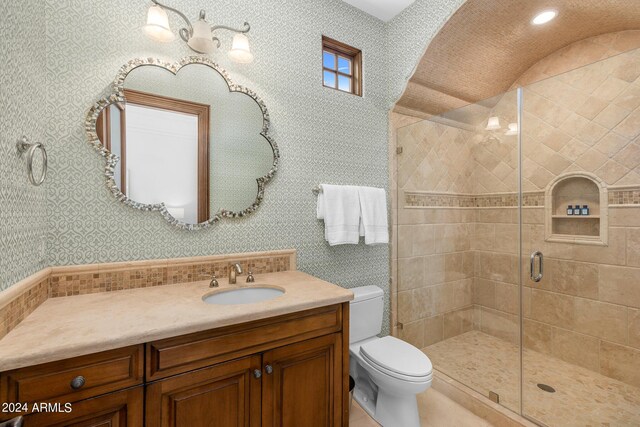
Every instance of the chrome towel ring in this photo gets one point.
(23, 146)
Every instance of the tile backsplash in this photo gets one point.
(115, 277)
(14, 309)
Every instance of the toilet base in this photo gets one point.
(390, 410)
(394, 410)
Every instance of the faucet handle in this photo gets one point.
(250, 278)
(214, 281)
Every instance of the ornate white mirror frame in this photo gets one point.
(117, 96)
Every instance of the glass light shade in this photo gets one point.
(493, 123)
(202, 41)
(158, 25)
(513, 129)
(240, 50)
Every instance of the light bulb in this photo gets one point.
(544, 17)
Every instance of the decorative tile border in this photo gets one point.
(618, 195)
(17, 302)
(624, 196)
(433, 199)
(425, 199)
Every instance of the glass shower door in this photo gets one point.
(580, 157)
(457, 245)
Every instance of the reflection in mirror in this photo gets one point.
(187, 141)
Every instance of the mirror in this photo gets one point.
(184, 140)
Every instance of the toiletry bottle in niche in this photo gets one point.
(585, 210)
(576, 210)
(570, 210)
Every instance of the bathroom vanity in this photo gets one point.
(280, 362)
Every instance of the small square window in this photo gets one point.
(341, 66)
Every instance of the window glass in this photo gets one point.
(328, 60)
(329, 79)
(344, 65)
(344, 83)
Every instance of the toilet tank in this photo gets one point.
(366, 310)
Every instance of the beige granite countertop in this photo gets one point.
(73, 326)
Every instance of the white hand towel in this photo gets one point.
(340, 209)
(320, 206)
(373, 209)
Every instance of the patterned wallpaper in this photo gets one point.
(22, 92)
(408, 36)
(324, 135)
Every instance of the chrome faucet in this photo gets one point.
(233, 271)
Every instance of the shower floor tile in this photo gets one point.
(582, 398)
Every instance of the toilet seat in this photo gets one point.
(397, 359)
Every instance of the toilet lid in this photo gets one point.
(397, 356)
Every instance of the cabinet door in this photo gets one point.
(120, 409)
(224, 395)
(302, 385)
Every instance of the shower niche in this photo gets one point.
(568, 225)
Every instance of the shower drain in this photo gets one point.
(546, 388)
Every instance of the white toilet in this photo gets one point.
(388, 372)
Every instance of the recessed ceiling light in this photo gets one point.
(544, 17)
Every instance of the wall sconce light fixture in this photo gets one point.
(199, 35)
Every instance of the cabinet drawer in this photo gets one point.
(123, 408)
(177, 355)
(73, 379)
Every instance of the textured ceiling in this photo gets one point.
(487, 44)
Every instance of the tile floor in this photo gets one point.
(436, 410)
(582, 397)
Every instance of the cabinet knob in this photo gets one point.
(77, 382)
(257, 373)
(268, 369)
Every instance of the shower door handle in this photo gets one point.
(536, 277)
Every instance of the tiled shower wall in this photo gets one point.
(23, 84)
(587, 308)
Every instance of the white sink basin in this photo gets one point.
(246, 295)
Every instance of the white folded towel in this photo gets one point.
(339, 206)
(373, 211)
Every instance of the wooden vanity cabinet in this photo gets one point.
(289, 370)
(302, 384)
(226, 394)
